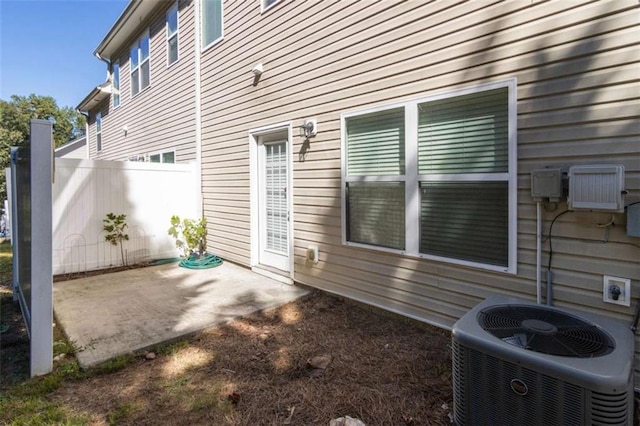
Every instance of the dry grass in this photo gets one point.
(384, 370)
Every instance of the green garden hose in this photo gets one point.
(203, 262)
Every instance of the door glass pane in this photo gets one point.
(276, 197)
(467, 221)
(376, 213)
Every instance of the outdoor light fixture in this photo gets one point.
(125, 129)
(309, 128)
(257, 70)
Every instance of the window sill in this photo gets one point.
(213, 43)
(511, 270)
(141, 92)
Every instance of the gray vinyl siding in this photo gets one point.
(577, 70)
(162, 116)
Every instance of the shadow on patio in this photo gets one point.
(113, 314)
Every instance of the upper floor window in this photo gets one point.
(99, 132)
(211, 21)
(139, 65)
(116, 84)
(172, 34)
(435, 178)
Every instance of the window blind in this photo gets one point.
(376, 213)
(464, 134)
(467, 221)
(375, 144)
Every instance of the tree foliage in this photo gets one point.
(15, 116)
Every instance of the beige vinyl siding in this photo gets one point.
(162, 116)
(578, 90)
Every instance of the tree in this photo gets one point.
(15, 116)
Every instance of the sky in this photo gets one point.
(46, 47)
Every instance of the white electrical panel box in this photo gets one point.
(596, 187)
(546, 183)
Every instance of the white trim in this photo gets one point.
(254, 135)
(197, 65)
(176, 34)
(264, 8)
(219, 39)
(412, 179)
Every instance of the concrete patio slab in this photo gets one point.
(113, 314)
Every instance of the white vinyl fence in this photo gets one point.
(84, 191)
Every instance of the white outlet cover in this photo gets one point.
(625, 290)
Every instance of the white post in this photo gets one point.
(41, 248)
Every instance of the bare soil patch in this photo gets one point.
(380, 368)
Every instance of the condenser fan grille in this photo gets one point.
(545, 330)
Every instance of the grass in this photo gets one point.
(6, 262)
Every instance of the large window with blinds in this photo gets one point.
(435, 177)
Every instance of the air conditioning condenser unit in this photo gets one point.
(519, 363)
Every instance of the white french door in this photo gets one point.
(273, 221)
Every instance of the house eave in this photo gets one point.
(136, 12)
(95, 97)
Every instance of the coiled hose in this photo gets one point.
(205, 261)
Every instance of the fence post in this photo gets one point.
(41, 247)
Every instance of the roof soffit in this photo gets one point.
(136, 12)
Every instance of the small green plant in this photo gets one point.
(114, 226)
(190, 235)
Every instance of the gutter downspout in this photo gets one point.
(198, 106)
(86, 131)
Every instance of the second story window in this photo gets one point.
(98, 132)
(116, 85)
(172, 34)
(139, 64)
(211, 21)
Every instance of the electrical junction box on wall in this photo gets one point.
(546, 183)
(596, 187)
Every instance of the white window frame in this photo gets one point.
(116, 98)
(412, 179)
(202, 16)
(138, 67)
(99, 132)
(175, 35)
(264, 7)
